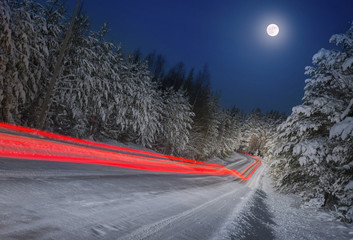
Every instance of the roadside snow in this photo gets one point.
(274, 215)
(121, 144)
(293, 221)
(58, 200)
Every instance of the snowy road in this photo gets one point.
(56, 199)
(53, 200)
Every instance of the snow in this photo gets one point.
(319, 55)
(302, 161)
(267, 214)
(343, 129)
(306, 110)
(349, 186)
(294, 220)
(49, 200)
(347, 64)
(314, 149)
(346, 112)
(52, 200)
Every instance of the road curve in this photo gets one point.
(65, 200)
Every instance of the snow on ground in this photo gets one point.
(43, 200)
(121, 144)
(292, 221)
(56, 200)
(267, 214)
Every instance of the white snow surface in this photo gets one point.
(349, 185)
(345, 113)
(347, 64)
(48, 200)
(306, 110)
(295, 220)
(54, 200)
(343, 129)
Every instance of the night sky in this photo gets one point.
(248, 67)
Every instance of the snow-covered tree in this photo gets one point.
(258, 132)
(142, 104)
(253, 132)
(126, 99)
(109, 94)
(176, 122)
(76, 83)
(316, 157)
(23, 59)
(228, 132)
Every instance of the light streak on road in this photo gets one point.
(26, 143)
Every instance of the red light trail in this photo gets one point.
(34, 144)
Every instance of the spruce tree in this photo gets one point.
(316, 157)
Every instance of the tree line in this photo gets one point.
(101, 93)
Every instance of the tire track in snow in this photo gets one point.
(148, 230)
(238, 196)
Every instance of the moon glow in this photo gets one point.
(272, 30)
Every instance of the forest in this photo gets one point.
(101, 93)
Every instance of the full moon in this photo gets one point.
(272, 30)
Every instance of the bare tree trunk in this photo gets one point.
(205, 139)
(47, 99)
(8, 103)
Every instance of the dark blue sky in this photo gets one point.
(248, 67)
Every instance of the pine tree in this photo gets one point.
(23, 59)
(142, 101)
(314, 159)
(176, 122)
(71, 98)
